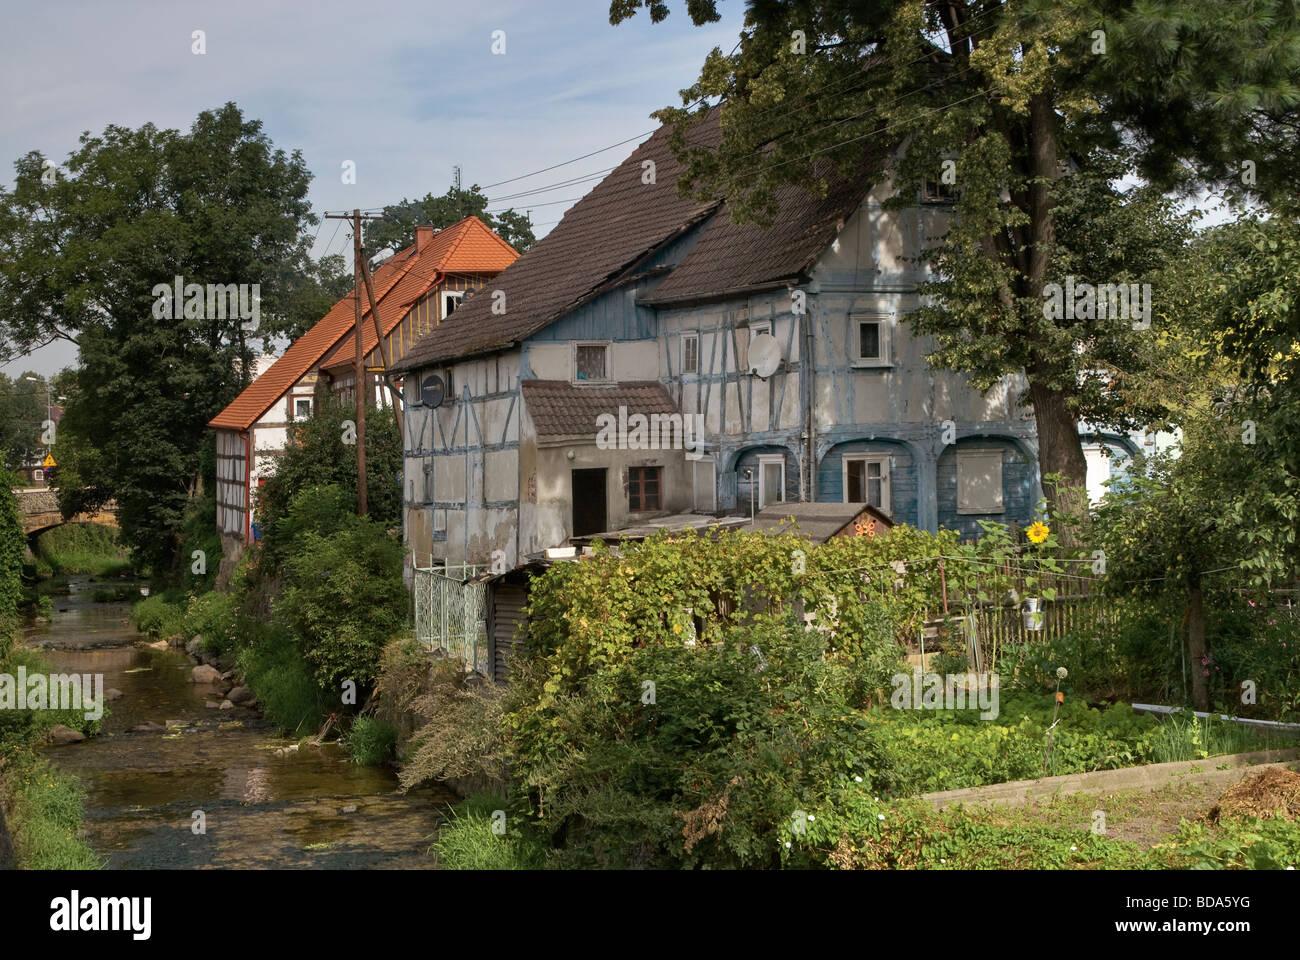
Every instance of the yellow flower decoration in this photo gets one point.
(1038, 531)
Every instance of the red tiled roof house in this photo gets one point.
(416, 289)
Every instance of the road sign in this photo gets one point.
(48, 461)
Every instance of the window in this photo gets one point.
(771, 479)
(936, 191)
(643, 488)
(979, 481)
(690, 353)
(450, 301)
(591, 361)
(866, 480)
(870, 340)
(301, 408)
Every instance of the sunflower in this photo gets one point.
(1038, 531)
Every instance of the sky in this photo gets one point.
(403, 90)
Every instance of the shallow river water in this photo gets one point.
(311, 808)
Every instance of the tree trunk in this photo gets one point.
(1061, 452)
(1196, 647)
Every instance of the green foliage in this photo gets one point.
(343, 593)
(159, 616)
(12, 550)
(82, 548)
(23, 412)
(1239, 843)
(214, 616)
(371, 742)
(285, 685)
(128, 211)
(46, 817)
(316, 456)
(467, 841)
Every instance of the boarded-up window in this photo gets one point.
(979, 481)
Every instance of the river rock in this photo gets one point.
(212, 705)
(195, 646)
(350, 808)
(240, 695)
(147, 727)
(61, 734)
(157, 645)
(227, 705)
(112, 693)
(204, 674)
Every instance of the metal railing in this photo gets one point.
(451, 613)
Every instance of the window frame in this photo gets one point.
(981, 453)
(444, 296)
(641, 505)
(868, 458)
(691, 338)
(884, 326)
(294, 400)
(608, 346)
(766, 459)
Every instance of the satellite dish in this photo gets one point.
(432, 391)
(764, 355)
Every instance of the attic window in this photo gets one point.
(590, 362)
(450, 301)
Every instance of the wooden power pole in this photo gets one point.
(359, 385)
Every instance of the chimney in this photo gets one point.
(423, 237)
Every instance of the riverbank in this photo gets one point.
(175, 781)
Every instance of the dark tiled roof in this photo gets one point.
(730, 257)
(604, 233)
(560, 409)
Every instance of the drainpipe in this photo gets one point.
(808, 362)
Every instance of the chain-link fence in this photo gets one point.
(451, 614)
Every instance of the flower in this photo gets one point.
(1062, 673)
(1038, 531)
(811, 817)
(857, 779)
(880, 816)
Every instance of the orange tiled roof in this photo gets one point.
(467, 246)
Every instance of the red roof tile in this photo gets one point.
(467, 246)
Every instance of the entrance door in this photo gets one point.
(588, 502)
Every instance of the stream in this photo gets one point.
(309, 808)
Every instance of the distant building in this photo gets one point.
(417, 288)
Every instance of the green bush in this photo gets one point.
(158, 616)
(12, 550)
(343, 596)
(467, 840)
(215, 617)
(371, 742)
(283, 681)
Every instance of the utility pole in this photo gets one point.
(359, 385)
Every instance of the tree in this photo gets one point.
(397, 229)
(91, 247)
(22, 415)
(1023, 98)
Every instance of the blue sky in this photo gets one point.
(406, 90)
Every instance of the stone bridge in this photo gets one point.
(40, 510)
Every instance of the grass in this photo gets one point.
(158, 616)
(44, 812)
(283, 682)
(81, 548)
(467, 840)
(1188, 737)
(371, 742)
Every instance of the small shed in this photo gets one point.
(820, 522)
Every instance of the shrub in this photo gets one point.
(284, 683)
(46, 820)
(460, 732)
(467, 840)
(12, 550)
(343, 597)
(214, 616)
(371, 742)
(158, 616)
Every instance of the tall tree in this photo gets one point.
(22, 415)
(397, 229)
(91, 246)
(1023, 98)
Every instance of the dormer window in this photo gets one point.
(450, 301)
